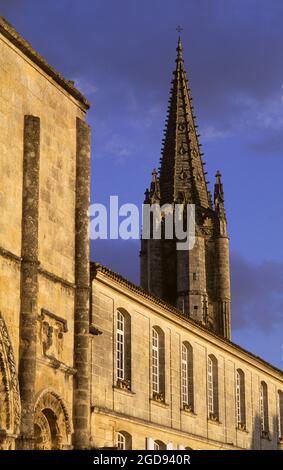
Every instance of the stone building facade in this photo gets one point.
(180, 415)
(135, 367)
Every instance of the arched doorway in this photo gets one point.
(10, 407)
(52, 428)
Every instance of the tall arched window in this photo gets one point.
(187, 377)
(212, 388)
(123, 349)
(280, 414)
(124, 440)
(264, 409)
(240, 399)
(158, 364)
(120, 345)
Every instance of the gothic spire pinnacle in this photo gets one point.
(154, 175)
(152, 196)
(182, 169)
(154, 188)
(218, 193)
(219, 204)
(179, 50)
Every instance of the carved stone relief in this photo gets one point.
(10, 406)
(52, 329)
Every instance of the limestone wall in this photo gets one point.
(26, 89)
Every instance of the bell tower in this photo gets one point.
(196, 281)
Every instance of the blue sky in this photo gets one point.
(121, 55)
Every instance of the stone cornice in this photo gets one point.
(56, 364)
(25, 47)
(9, 255)
(93, 330)
(53, 277)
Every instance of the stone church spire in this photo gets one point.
(182, 175)
(196, 281)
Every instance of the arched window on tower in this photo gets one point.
(212, 388)
(240, 400)
(264, 419)
(123, 349)
(158, 364)
(187, 377)
(280, 414)
(124, 440)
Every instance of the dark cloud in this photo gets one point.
(257, 294)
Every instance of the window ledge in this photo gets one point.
(214, 421)
(265, 435)
(159, 403)
(124, 391)
(188, 412)
(242, 429)
(188, 409)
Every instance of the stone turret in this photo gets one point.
(196, 281)
(222, 259)
(151, 256)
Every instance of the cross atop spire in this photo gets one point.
(179, 46)
(179, 29)
(182, 169)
